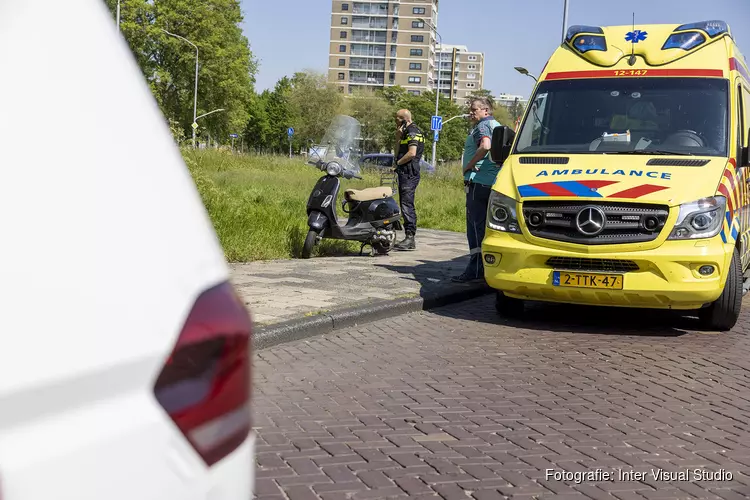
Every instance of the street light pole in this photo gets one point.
(565, 21)
(118, 15)
(454, 117)
(195, 95)
(437, 92)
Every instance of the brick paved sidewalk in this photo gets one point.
(281, 290)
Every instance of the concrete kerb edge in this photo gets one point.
(301, 328)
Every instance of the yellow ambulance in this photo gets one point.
(626, 183)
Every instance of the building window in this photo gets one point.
(417, 24)
(471, 76)
(342, 76)
(417, 38)
(344, 20)
(415, 52)
(418, 10)
(472, 58)
(342, 62)
(415, 79)
(341, 89)
(342, 48)
(342, 34)
(470, 85)
(344, 6)
(416, 66)
(472, 66)
(415, 92)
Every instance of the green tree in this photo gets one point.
(393, 95)
(226, 64)
(280, 114)
(257, 132)
(376, 117)
(314, 103)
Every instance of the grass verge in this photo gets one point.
(257, 203)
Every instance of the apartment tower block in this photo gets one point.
(376, 44)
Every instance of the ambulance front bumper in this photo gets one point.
(674, 276)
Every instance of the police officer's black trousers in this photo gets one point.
(407, 186)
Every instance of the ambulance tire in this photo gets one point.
(509, 306)
(723, 313)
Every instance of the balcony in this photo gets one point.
(368, 36)
(367, 23)
(372, 9)
(367, 64)
(368, 80)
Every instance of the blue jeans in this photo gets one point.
(477, 199)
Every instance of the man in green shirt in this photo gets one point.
(479, 176)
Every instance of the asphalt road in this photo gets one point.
(457, 403)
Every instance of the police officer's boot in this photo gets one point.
(407, 243)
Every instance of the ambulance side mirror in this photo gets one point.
(745, 156)
(502, 140)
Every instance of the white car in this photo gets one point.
(124, 352)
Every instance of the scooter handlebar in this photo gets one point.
(351, 175)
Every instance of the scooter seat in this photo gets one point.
(368, 194)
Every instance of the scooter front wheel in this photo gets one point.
(307, 248)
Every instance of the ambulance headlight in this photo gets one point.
(700, 219)
(501, 213)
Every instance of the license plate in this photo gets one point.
(587, 280)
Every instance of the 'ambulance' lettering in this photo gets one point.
(603, 171)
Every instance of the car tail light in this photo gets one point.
(205, 384)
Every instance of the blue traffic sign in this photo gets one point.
(437, 135)
(290, 131)
(437, 123)
(233, 136)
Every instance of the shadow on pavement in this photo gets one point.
(434, 278)
(601, 320)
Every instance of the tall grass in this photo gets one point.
(257, 203)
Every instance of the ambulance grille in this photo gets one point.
(623, 222)
(594, 265)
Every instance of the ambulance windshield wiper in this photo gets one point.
(650, 152)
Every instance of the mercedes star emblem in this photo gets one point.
(590, 221)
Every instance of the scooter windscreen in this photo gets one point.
(339, 144)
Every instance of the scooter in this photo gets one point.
(374, 214)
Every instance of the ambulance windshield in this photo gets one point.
(680, 116)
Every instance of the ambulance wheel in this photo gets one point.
(509, 306)
(723, 313)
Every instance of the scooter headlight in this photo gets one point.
(333, 169)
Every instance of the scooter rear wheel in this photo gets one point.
(309, 245)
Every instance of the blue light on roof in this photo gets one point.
(574, 30)
(584, 43)
(685, 41)
(713, 28)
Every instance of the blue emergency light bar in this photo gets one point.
(713, 28)
(684, 41)
(593, 38)
(577, 29)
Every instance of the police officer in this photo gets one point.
(410, 149)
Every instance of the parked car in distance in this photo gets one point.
(386, 160)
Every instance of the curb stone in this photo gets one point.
(310, 326)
